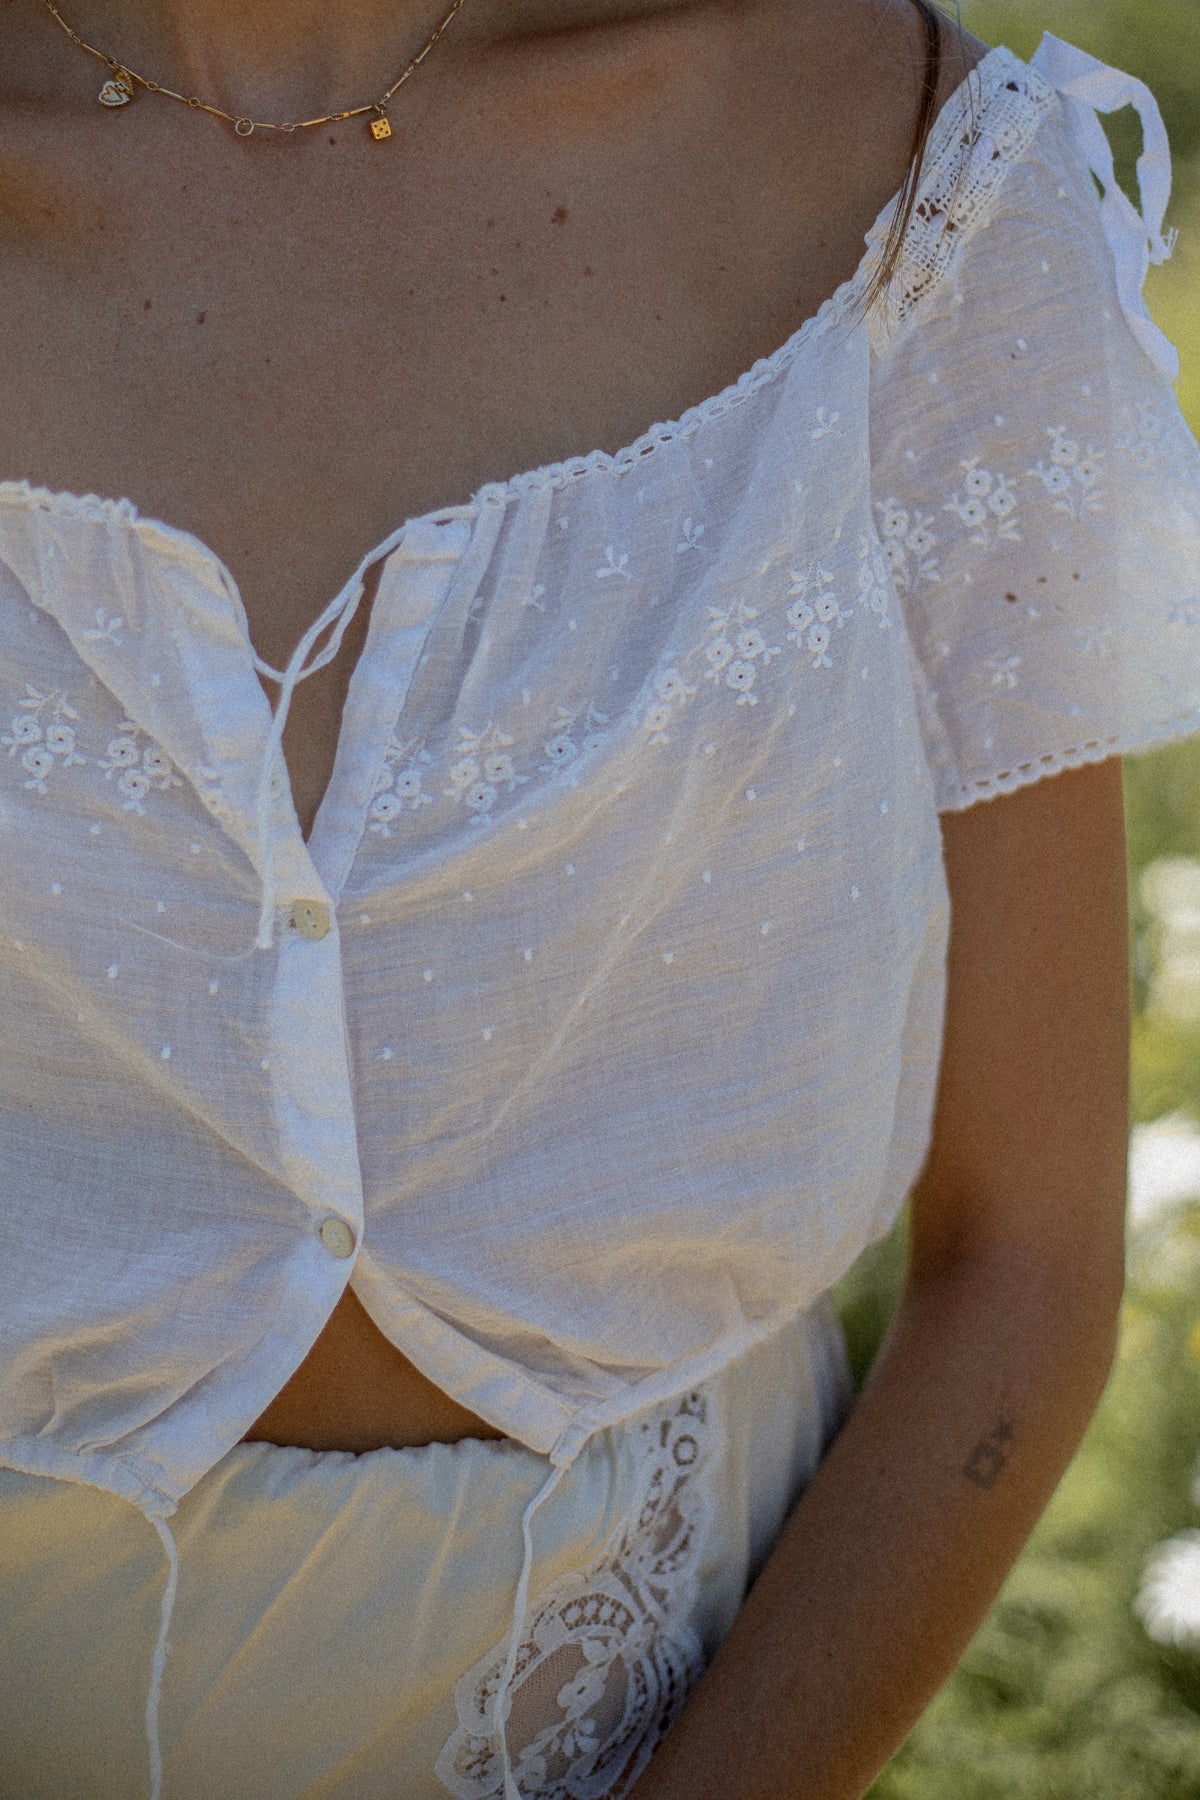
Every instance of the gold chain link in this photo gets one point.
(123, 77)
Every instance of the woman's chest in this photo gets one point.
(289, 363)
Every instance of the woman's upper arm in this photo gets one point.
(1029, 1151)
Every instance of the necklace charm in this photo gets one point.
(380, 128)
(117, 90)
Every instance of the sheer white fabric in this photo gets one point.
(623, 1038)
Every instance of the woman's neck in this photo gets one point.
(295, 57)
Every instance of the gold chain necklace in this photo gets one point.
(118, 89)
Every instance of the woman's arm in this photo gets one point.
(999, 1349)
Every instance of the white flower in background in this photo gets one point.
(1168, 1601)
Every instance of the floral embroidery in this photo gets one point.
(106, 627)
(42, 737)
(137, 769)
(398, 789)
(811, 614)
(736, 649)
(1067, 471)
(615, 565)
(986, 496)
(560, 748)
(670, 688)
(1004, 670)
(691, 538)
(622, 1654)
(903, 533)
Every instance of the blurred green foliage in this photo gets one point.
(1061, 1693)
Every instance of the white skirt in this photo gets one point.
(342, 1621)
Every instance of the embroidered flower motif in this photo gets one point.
(462, 775)
(987, 496)
(812, 612)
(903, 533)
(480, 795)
(1004, 670)
(824, 425)
(386, 807)
(1067, 471)
(25, 730)
(135, 786)
(38, 762)
(691, 538)
(740, 677)
(671, 686)
(658, 717)
(60, 741)
(41, 735)
(607, 1654)
(106, 627)
(560, 749)
(614, 565)
(122, 752)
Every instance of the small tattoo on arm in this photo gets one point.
(990, 1454)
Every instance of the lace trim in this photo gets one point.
(1057, 762)
(608, 1657)
(966, 163)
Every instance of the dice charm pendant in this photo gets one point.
(380, 127)
(118, 89)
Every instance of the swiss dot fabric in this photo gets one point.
(623, 1039)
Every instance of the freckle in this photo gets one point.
(200, 318)
(1010, 597)
(495, 271)
(559, 216)
(504, 296)
(145, 305)
(411, 292)
(333, 140)
(1075, 577)
(516, 243)
(587, 268)
(491, 224)
(658, 316)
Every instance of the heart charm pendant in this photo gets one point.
(117, 90)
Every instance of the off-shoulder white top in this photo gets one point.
(596, 1029)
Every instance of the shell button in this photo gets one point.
(310, 918)
(337, 1237)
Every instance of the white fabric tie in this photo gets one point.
(160, 1653)
(1088, 87)
(342, 609)
(561, 1456)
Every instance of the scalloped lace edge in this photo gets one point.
(1057, 762)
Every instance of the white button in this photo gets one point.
(310, 918)
(337, 1237)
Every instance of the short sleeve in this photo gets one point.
(1035, 486)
